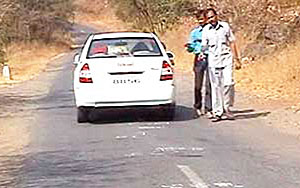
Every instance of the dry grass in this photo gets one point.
(274, 78)
(27, 60)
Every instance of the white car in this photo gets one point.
(124, 69)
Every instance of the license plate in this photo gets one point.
(126, 81)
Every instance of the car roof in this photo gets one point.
(124, 34)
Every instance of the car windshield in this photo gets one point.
(124, 47)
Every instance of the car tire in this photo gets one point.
(82, 115)
(169, 112)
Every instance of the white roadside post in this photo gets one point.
(6, 72)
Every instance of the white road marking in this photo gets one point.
(132, 155)
(172, 186)
(193, 177)
(238, 186)
(224, 184)
(149, 128)
(121, 137)
(228, 184)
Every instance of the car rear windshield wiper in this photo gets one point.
(145, 53)
(103, 56)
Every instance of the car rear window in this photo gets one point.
(124, 47)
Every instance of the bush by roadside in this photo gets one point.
(33, 20)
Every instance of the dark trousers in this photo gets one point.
(200, 70)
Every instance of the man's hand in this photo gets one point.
(237, 64)
(189, 47)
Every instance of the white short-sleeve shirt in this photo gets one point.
(217, 41)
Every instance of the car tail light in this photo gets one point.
(166, 72)
(85, 74)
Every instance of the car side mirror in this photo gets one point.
(76, 59)
(171, 57)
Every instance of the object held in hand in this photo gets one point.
(189, 47)
(237, 64)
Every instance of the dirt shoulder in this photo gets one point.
(26, 61)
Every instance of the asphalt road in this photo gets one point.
(42, 145)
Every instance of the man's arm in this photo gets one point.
(190, 45)
(232, 40)
(236, 55)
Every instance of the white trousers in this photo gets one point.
(222, 88)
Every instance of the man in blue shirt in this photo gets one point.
(194, 46)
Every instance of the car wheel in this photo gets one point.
(82, 115)
(169, 111)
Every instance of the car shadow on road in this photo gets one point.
(249, 114)
(98, 116)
